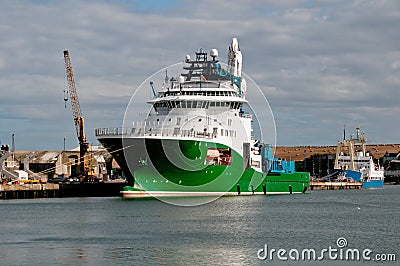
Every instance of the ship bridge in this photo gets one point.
(205, 85)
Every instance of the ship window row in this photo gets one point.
(196, 104)
(356, 161)
(363, 165)
(228, 133)
(201, 93)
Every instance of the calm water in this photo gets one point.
(229, 231)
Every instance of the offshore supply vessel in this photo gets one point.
(358, 165)
(197, 139)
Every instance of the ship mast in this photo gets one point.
(235, 66)
(350, 145)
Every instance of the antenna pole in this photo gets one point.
(13, 148)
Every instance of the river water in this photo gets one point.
(228, 231)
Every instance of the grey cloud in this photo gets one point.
(320, 64)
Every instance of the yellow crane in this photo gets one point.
(85, 169)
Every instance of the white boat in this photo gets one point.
(358, 165)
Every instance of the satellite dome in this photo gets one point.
(214, 53)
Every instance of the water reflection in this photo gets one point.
(229, 231)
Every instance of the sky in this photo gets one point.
(321, 64)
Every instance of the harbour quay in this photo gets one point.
(27, 191)
(31, 191)
(315, 185)
(54, 173)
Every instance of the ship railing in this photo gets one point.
(111, 131)
(153, 132)
(202, 84)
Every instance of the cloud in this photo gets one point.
(320, 64)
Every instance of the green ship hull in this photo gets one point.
(174, 167)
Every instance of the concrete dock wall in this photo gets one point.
(29, 191)
(334, 185)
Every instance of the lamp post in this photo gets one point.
(13, 149)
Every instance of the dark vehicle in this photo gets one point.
(57, 180)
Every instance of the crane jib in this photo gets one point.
(84, 164)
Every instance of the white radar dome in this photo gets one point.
(214, 53)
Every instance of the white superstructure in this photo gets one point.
(204, 104)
